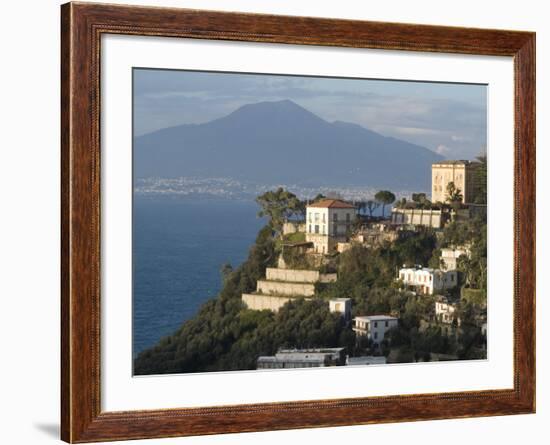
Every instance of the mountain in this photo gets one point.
(283, 143)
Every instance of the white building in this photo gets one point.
(427, 281)
(302, 358)
(366, 360)
(374, 326)
(445, 312)
(449, 257)
(328, 222)
(342, 306)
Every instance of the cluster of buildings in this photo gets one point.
(428, 281)
(371, 327)
(314, 358)
(464, 175)
(333, 225)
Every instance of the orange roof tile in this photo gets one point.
(332, 204)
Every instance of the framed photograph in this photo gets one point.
(274, 222)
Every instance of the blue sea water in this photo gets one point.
(179, 246)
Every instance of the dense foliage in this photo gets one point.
(471, 234)
(280, 205)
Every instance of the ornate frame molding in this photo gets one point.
(82, 25)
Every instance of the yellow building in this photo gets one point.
(462, 173)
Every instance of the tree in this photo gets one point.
(318, 197)
(454, 194)
(371, 206)
(419, 197)
(481, 180)
(384, 197)
(420, 200)
(278, 206)
(225, 271)
(361, 206)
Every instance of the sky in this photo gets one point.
(449, 119)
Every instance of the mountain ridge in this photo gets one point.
(282, 142)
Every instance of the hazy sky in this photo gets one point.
(450, 119)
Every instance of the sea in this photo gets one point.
(179, 247)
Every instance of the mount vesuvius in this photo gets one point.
(283, 143)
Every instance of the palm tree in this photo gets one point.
(454, 194)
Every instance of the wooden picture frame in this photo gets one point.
(82, 25)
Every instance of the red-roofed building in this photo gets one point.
(329, 222)
(331, 204)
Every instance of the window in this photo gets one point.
(323, 229)
(323, 217)
(375, 324)
(387, 324)
(334, 230)
(348, 216)
(316, 228)
(376, 335)
(310, 228)
(335, 216)
(316, 217)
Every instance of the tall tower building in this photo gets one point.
(462, 173)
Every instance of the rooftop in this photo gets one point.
(366, 360)
(422, 269)
(375, 317)
(311, 351)
(455, 162)
(264, 359)
(332, 204)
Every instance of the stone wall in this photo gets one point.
(285, 288)
(328, 277)
(423, 217)
(342, 247)
(298, 276)
(262, 302)
(323, 243)
(290, 227)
